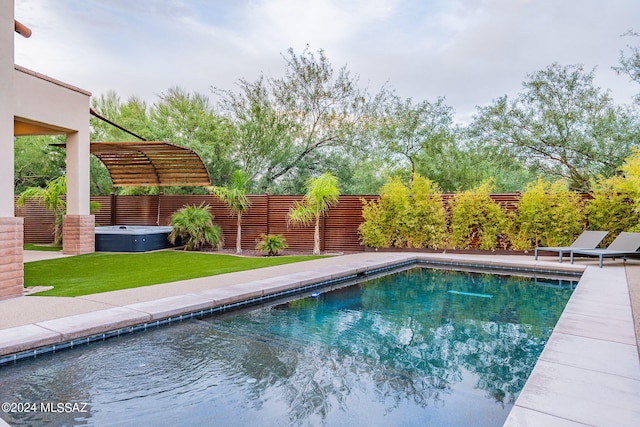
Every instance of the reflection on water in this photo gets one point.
(399, 350)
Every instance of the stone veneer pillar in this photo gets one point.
(11, 257)
(78, 234)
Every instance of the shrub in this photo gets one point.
(548, 215)
(610, 210)
(194, 226)
(384, 218)
(271, 244)
(614, 194)
(477, 217)
(371, 230)
(427, 219)
(404, 216)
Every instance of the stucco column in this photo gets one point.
(78, 226)
(78, 178)
(11, 228)
(6, 108)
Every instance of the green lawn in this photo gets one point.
(103, 272)
(43, 247)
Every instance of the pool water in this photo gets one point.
(420, 347)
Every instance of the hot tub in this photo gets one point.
(132, 238)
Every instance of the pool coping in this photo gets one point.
(589, 372)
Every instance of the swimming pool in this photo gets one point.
(420, 347)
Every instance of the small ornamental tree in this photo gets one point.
(234, 195)
(548, 215)
(51, 197)
(477, 217)
(322, 194)
(194, 227)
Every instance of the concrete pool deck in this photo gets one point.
(588, 373)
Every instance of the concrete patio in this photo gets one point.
(588, 373)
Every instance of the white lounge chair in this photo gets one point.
(587, 240)
(624, 246)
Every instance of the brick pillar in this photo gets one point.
(11, 261)
(78, 234)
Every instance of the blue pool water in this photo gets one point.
(420, 347)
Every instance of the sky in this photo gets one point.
(468, 51)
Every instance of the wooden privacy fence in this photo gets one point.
(267, 214)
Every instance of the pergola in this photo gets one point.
(151, 163)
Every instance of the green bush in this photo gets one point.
(611, 211)
(427, 219)
(371, 230)
(548, 215)
(271, 244)
(404, 216)
(383, 224)
(476, 218)
(612, 194)
(194, 226)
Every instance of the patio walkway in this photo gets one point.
(588, 373)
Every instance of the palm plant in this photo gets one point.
(194, 226)
(234, 196)
(271, 244)
(322, 194)
(51, 197)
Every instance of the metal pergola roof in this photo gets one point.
(151, 163)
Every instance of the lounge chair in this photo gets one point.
(587, 240)
(625, 245)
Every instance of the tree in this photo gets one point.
(466, 164)
(630, 65)
(412, 129)
(51, 198)
(36, 161)
(322, 194)
(278, 123)
(133, 115)
(562, 125)
(188, 120)
(178, 117)
(234, 196)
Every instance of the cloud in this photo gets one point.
(470, 51)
